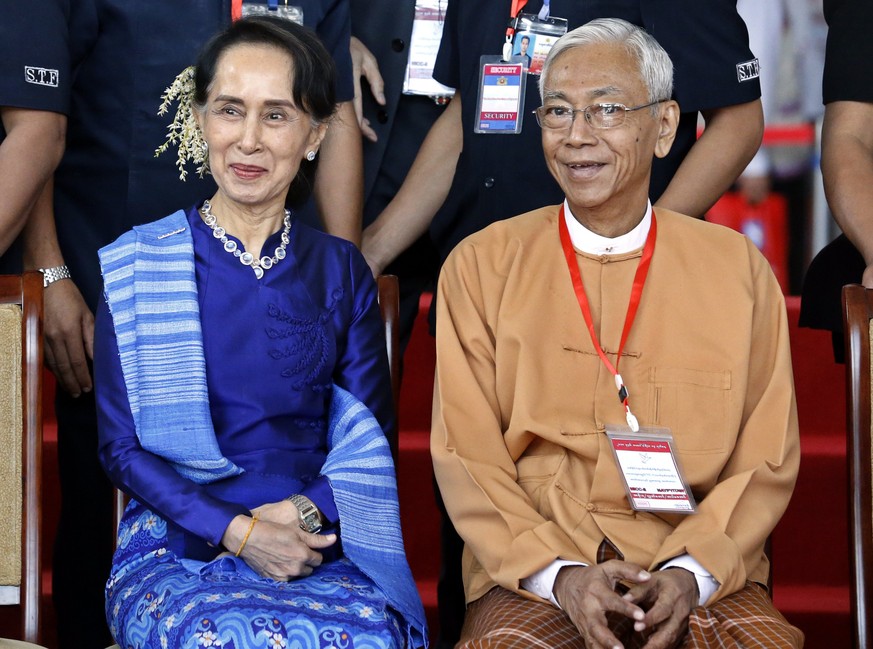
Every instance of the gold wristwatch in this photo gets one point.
(310, 517)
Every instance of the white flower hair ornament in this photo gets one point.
(184, 131)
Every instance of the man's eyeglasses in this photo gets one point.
(597, 115)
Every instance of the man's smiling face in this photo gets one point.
(604, 172)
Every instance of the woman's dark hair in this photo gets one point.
(313, 82)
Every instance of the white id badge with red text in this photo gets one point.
(424, 44)
(650, 470)
(499, 109)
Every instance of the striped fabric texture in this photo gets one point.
(361, 473)
(149, 284)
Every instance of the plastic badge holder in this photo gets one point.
(650, 470)
(541, 35)
(274, 8)
(502, 85)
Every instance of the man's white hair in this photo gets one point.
(655, 66)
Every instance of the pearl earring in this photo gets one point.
(310, 156)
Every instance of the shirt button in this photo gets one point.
(397, 45)
(489, 182)
(382, 116)
(591, 507)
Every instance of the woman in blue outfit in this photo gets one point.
(235, 352)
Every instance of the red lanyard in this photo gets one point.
(633, 305)
(235, 9)
(517, 6)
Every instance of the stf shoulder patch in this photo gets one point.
(41, 76)
(748, 70)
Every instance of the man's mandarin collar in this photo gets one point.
(587, 241)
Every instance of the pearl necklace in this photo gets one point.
(247, 258)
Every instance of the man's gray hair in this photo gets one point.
(655, 65)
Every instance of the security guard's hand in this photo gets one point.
(69, 336)
(867, 278)
(364, 64)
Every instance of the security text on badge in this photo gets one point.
(501, 96)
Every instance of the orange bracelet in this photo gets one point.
(248, 533)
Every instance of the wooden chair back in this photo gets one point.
(389, 306)
(857, 315)
(21, 313)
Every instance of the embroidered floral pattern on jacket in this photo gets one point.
(304, 342)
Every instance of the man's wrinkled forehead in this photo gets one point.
(573, 67)
(558, 94)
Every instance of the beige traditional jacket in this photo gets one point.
(522, 399)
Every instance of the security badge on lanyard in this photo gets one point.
(424, 44)
(503, 79)
(645, 457)
(535, 34)
(273, 8)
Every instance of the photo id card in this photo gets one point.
(501, 95)
(534, 38)
(274, 8)
(650, 470)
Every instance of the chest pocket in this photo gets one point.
(694, 405)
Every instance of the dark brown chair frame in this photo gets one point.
(26, 291)
(857, 315)
(389, 307)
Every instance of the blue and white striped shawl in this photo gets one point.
(361, 473)
(151, 290)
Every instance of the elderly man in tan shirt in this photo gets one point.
(574, 339)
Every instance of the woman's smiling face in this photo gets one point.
(257, 136)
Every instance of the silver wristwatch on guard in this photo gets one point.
(310, 517)
(53, 274)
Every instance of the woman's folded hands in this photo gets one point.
(273, 544)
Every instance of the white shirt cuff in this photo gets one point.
(542, 582)
(706, 584)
